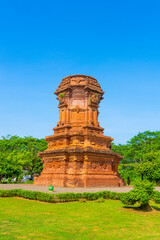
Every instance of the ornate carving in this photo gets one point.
(77, 80)
(104, 166)
(94, 166)
(86, 81)
(78, 154)
(99, 166)
(77, 108)
(49, 165)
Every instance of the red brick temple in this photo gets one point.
(78, 153)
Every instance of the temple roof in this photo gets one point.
(79, 80)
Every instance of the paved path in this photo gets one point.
(43, 188)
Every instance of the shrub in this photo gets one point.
(61, 197)
(156, 197)
(4, 182)
(7, 193)
(114, 196)
(90, 196)
(78, 196)
(129, 198)
(100, 200)
(46, 197)
(61, 95)
(106, 194)
(82, 200)
(145, 186)
(144, 198)
(141, 193)
(65, 197)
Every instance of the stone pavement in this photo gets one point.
(43, 188)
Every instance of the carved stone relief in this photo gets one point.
(77, 152)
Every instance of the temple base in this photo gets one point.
(83, 169)
(79, 181)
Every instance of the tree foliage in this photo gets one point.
(19, 154)
(141, 157)
(141, 193)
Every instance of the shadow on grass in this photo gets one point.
(156, 208)
(146, 208)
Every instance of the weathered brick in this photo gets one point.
(78, 153)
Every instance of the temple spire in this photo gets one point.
(78, 153)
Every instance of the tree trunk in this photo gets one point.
(146, 207)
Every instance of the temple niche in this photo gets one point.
(78, 154)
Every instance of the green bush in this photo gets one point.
(66, 197)
(114, 196)
(78, 196)
(128, 198)
(61, 95)
(100, 200)
(45, 197)
(90, 196)
(144, 198)
(7, 193)
(141, 193)
(82, 200)
(145, 186)
(106, 194)
(156, 197)
(4, 182)
(96, 195)
(61, 197)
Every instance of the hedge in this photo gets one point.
(68, 197)
(156, 196)
(61, 197)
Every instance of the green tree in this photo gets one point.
(19, 154)
(149, 168)
(141, 193)
(141, 157)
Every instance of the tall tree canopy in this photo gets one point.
(19, 154)
(141, 157)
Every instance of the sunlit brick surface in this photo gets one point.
(78, 153)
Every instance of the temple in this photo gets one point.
(78, 154)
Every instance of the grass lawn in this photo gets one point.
(26, 219)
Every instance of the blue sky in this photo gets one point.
(117, 42)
